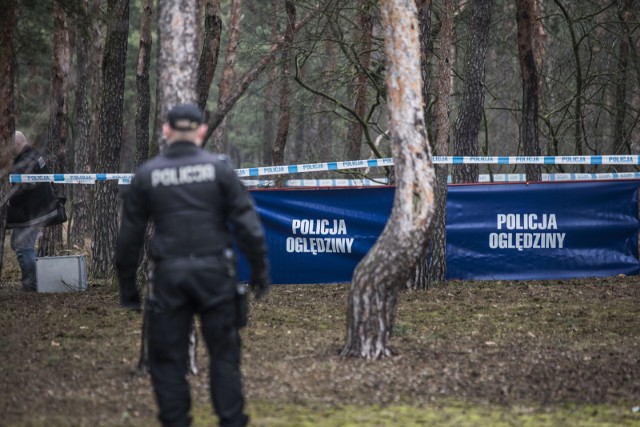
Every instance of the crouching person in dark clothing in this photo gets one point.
(31, 206)
(197, 206)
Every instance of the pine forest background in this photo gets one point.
(590, 53)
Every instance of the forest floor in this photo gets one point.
(543, 353)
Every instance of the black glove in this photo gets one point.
(260, 285)
(130, 298)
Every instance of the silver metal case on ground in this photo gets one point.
(61, 273)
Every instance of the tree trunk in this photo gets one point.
(105, 203)
(578, 118)
(247, 78)
(438, 262)
(384, 271)
(621, 142)
(220, 142)
(420, 279)
(97, 51)
(51, 241)
(270, 91)
(524, 19)
(468, 121)
(277, 153)
(143, 111)
(8, 24)
(210, 50)
(177, 62)
(363, 60)
(80, 201)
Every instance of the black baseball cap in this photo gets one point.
(185, 117)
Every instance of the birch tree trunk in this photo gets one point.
(210, 50)
(438, 263)
(468, 121)
(384, 271)
(51, 241)
(80, 201)
(143, 111)
(8, 24)
(529, 72)
(105, 203)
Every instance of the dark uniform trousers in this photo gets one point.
(181, 288)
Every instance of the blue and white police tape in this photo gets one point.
(482, 178)
(72, 178)
(123, 178)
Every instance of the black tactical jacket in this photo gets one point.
(196, 203)
(31, 204)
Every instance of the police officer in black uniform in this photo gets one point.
(197, 205)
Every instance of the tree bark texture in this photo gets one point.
(268, 134)
(424, 18)
(8, 24)
(143, 110)
(468, 121)
(384, 271)
(80, 202)
(284, 119)
(420, 278)
(438, 262)
(622, 144)
(57, 134)
(97, 51)
(178, 58)
(578, 117)
(529, 72)
(363, 60)
(105, 203)
(210, 50)
(220, 142)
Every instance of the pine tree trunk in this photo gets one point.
(621, 142)
(271, 89)
(363, 43)
(468, 121)
(80, 200)
(438, 262)
(384, 271)
(97, 51)
(210, 50)
(177, 64)
(143, 110)
(8, 24)
(51, 242)
(284, 120)
(220, 142)
(524, 20)
(243, 83)
(105, 203)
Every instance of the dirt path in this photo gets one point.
(69, 358)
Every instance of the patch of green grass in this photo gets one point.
(270, 414)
